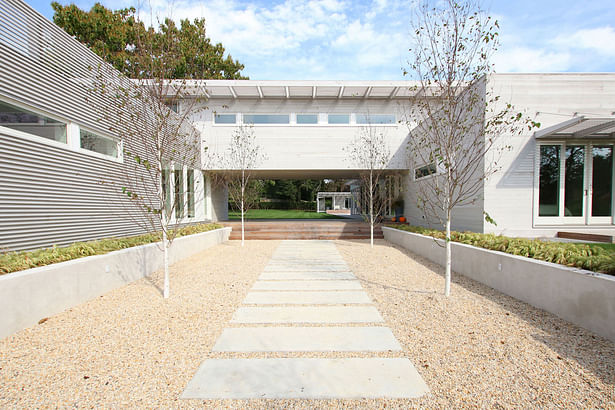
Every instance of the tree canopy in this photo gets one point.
(119, 38)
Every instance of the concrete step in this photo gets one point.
(303, 230)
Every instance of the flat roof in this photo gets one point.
(276, 89)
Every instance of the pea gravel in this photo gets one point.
(477, 348)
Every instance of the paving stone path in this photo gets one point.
(306, 282)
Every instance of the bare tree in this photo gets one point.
(239, 160)
(153, 117)
(455, 146)
(369, 151)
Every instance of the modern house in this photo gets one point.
(555, 178)
(55, 151)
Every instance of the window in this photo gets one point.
(266, 118)
(205, 194)
(424, 171)
(573, 180)
(173, 105)
(179, 194)
(166, 189)
(338, 118)
(190, 193)
(575, 183)
(548, 196)
(27, 121)
(375, 119)
(602, 180)
(225, 118)
(307, 118)
(97, 143)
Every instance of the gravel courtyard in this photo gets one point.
(477, 348)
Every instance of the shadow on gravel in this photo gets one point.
(594, 353)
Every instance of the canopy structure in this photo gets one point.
(274, 89)
(579, 128)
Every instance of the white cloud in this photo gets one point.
(525, 59)
(600, 40)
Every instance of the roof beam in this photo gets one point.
(260, 92)
(339, 95)
(233, 93)
(592, 130)
(367, 92)
(313, 92)
(287, 92)
(393, 93)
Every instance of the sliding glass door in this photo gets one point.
(575, 184)
(601, 188)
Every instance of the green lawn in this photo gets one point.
(281, 214)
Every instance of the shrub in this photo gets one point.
(16, 261)
(591, 257)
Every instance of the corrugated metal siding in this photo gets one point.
(54, 196)
(44, 67)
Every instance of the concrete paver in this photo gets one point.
(307, 314)
(312, 275)
(349, 378)
(307, 285)
(306, 339)
(313, 285)
(307, 298)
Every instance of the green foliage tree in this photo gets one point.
(118, 37)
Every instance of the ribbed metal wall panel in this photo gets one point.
(53, 195)
(44, 67)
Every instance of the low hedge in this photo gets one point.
(16, 261)
(579, 255)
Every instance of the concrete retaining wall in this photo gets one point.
(582, 297)
(30, 295)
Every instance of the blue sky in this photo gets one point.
(368, 39)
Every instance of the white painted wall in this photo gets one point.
(302, 147)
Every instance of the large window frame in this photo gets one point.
(322, 119)
(586, 218)
(73, 133)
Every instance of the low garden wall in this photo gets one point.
(30, 295)
(582, 297)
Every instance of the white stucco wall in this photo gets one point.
(303, 147)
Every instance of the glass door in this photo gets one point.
(600, 198)
(575, 184)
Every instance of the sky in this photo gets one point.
(369, 39)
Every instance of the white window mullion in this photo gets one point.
(562, 181)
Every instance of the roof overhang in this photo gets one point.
(304, 89)
(578, 128)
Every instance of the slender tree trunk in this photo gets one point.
(371, 208)
(165, 241)
(165, 259)
(447, 275)
(243, 190)
(242, 230)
